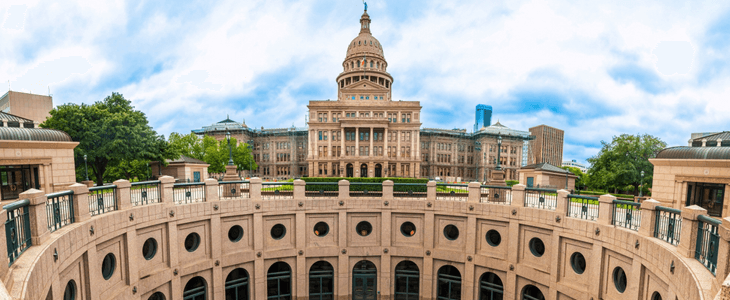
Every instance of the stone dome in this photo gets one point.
(365, 44)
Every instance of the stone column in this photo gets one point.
(123, 196)
(299, 188)
(370, 152)
(166, 183)
(211, 190)
(385, 143)
(344, 190)
(37, 215)
(255, 188)
(605, 209)
(398, 138)
(648, 217)
(342, 142)
(357, 144)
(388, 190)
(47, 178)
(518, 195)
(431, 191)
(413, 144)
(475, 193)
(80, 202)
(329, 144)
(561, 207)
(688, 235)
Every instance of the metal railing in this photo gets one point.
(102, 199)
(321, 190)
(233, 190)
(668, 224)
(417, 191)
(277, 190)
(145, 192)
(495, 194)
(185, 193)
(17, 229)
(541, 198)
(59, 209)
(582, 207)
(366, 189)
(708, 242)
(627, 214)
(452, 191)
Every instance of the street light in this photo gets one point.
(499, 153)
(477, 149)
(230, 152)
(641, 185)
(86, 168)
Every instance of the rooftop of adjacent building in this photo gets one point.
(33, 134)
(544, 126)
(546, 167)
(686, 152)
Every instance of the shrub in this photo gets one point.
(511, 182)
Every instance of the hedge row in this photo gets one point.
(366, 179)
(602, 193)
(355, 180)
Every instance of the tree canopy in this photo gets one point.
(618, 164)
(580, 182)
(213, 152)
(111, 133)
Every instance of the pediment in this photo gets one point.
(365, 85)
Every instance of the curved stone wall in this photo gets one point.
(650, 265)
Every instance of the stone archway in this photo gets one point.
(364, 170)
(378, 170)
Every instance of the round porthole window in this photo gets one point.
(619, 279)
(321, 229)
(157, 296)
(408, 229)
(537, 247)
(149, 248)
(494, 238)
(578, 261)
(235, 233)
(192, 241)
(451, 232)
(656, 296)
(364, 228)
(278, 231)
(108, 265)
(70, 292)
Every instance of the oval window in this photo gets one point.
(192, 241)
(408, 229)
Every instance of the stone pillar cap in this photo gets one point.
(474, 184)
(31, 193)
(298, 182)
(122, 183)
(211, 181)
(79, 188)
(343, 182)
(388, 183)
(431, 183)
(519, 187)
(254, 180)
(607, 198)
(691, 212)
(563, 193)
(650, 204)
(167, 179)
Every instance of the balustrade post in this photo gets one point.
(300, 187)
(80, 202)
(37, 214)
(518, 195)
(4, 261)
(387, 190)
(561, 207)
(474, 192)
(211, 190)
(123, 194)
(605, 209)
(723, 251)
(254, 188)
(688, 234)
(344, 190)
(166, 183)
(648, 217)
(431, 191)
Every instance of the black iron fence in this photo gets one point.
(495, 194)
(145, 192)
(541, 198)
(417, 191)
(582, 207)
(668, 224)
(17, 229)
(59, 209)
(185, 193)
(452, 191)
(102, 199)
(627, 214)
(277, 190)
(366, 189)
(233, 190)
(708, 242)
(322, 190)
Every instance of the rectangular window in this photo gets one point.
(362, 135)
(320, 135)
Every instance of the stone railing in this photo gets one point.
(698, 246)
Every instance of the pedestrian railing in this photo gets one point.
(541, 198)
(59, 209)
(145, 192)
(495, 194)
(277, 190)
(627, 214)
(583, 207)
(185, 193)
(708, 242)
(233, 190)
(17, 229)
(668, 224)
(102, 199)
(416, 191)
(322, 190)
(366, 189)
(452, 191)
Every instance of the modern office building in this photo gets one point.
(547, 147)
(483, 116)
(29, 106)
(575, 164)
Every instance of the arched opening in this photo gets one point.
(490, 287)
(321, 281)
(407, 279)
(349, 171)
(237, 284)
(449, 283)
(364, 170)
(195, 289)
(364, 281)
(378, 170)
(278, 282)
(531, 292)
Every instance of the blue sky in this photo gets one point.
(592, 69)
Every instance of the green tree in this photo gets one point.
(213, 152)
(580, 181)
(619, 164)
(110, 132)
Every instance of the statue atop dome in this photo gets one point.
(366, 5)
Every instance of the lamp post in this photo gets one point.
(86, 168)
(250, 149)
(477, 149)
(499, 153)
(641, 185)
(566, 179)
(230, 152)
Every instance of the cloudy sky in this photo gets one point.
(593, 69)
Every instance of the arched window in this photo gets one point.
(531, 292)
(278, 282)
(490, 287)
(237, 285)
(195, 289)
(364, 281)
(449, 283)
(407, 279)
(321, 281)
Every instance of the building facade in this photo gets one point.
(575, 164)
(483, 116)
(30, 106)
(547, 147)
